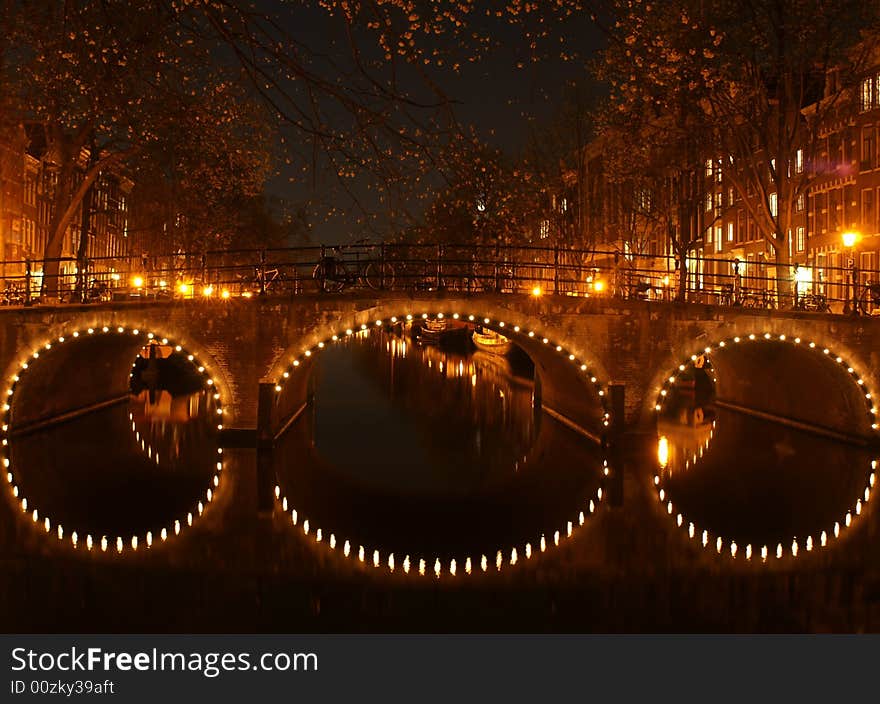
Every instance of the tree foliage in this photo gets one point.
(761, 80)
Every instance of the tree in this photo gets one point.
(769, 79)
(109, 82)
(487, 200)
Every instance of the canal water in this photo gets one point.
(420, 450)
(129, 468)
(748, 479)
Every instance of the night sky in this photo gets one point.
(501, 102)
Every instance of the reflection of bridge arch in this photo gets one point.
(291, 382)
(786, 547)
(25, 410)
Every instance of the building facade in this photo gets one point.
(842, 196)
(27, 182)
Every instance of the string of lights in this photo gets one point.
(789, 547)
(78, 539)
(503, 558)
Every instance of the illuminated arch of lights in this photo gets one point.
(722, 545)
(424, 565)
(114, 544)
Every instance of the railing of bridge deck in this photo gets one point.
(460, 268)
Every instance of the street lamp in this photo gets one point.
(849, 242)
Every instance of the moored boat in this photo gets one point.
(490, 341)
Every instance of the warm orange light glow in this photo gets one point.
(850, 239)
(138, 282)
(598, 286)
(663, 451)
(537, 291)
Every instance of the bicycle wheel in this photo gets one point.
(379, 275)
(325, 280)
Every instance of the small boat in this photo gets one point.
(490, 341)
(432, 330)
(446, 333)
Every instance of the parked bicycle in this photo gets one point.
(334, 272)
(868, 302)
(754, 298)
(14, 294)
(813, 302)
(266, 280)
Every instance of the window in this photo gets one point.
(709, 202)
(799, 161)
(774, 205)
(868, 95)
(729, 236)
(710, 168)
(730, 197)
(30, 190)
(867, 162)
(719, 202)
(868, 205)
(801, 237)
(801, 203)
(718, 171)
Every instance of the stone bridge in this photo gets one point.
(631, 561)
(572, 340)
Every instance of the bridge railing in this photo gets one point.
(749, 282)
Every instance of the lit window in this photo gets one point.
(801, 236)
(799, 161)
(730, 232)
(867, 95)
(774, 205)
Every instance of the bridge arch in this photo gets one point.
(290, 377)
(566, 367)
(738, 353)
(822, 330)
(32, 399)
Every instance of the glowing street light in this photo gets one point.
(850, 239)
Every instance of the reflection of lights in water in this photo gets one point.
(663, 451)
(134, 540)
(512, 560)
(662, 399)
(461, 371)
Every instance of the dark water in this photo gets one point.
(410, 449)
(99, 473)
(753, 480)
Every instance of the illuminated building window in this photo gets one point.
(868, 94)
(801, 237)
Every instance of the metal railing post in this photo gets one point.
(382, 266)
(262, 272)
(556, 269)
(439, 266)
(27, 281)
